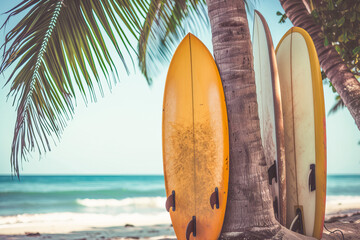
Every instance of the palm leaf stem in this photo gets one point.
(42, 51)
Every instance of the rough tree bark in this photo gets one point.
(335, 69)
(249, 213)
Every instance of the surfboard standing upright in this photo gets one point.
(305, 140)
(270, 113)
(195, 143)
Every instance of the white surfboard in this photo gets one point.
(270, 112)
(304, 124)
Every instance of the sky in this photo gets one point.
(121, 133)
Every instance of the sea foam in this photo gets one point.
(139, 202)
(81, 219)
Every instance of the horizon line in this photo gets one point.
(121, 174)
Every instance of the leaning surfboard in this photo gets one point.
(305, 140)
(270, 113)
(195, 143)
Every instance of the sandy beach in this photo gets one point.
(349, 224)
(156, 232)
(83, 226)
(341, 215)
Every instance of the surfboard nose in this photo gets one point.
(193, 38)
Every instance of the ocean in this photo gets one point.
(79, 199)
(121, 199)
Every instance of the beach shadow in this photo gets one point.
(156, 232)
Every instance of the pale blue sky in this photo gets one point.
(121, 133)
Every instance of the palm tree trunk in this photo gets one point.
(249, 212)
(335, 69)
(249, 201)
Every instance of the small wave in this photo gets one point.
(143, 202)
(343, 198)
(91, 219)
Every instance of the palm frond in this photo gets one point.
(338, 105)
(57, 41)
(166, 22)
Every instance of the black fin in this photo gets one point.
(298, 226)
(214, 199)
(272, 173)
(170, 202)
(191, 228)
(275, 206)
(312, 178)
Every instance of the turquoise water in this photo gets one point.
(107, 198)
(343, 185)
(95, 194)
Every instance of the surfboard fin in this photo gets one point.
(272, 173)
(275, 206)
(170, 202)
(214, 199)
(312, 179)
(297, 224)
(191, 228)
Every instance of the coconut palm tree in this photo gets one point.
(58, 47)
(344, 81)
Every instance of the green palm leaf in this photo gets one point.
(57, 41)
(339, 104)
(58, 48)
(166, 22)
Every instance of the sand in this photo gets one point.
(156, 232)
(340, 215)
(347, 225)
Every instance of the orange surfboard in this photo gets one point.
(195, 143)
